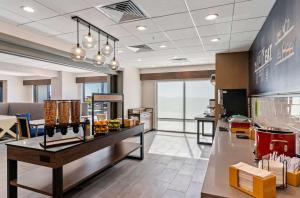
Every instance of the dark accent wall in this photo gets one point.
(275, 54)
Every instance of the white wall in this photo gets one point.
(15, 90)
(132, 88)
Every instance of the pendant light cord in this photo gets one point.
(99, 41)
(114, 50)
(77, 33)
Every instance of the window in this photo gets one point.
(41, 93)
(179, 102)
(1, 91)
(88, 90)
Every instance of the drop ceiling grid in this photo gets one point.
(175, 27)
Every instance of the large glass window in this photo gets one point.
(179, 102)
(88, 90)
(1, 91)
(170, 105)
(41, 93)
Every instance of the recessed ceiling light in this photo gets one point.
(120, 51)
(211, 17)
(141, 28)
(27, 9)
(215, 40)
(162, 46)
(139, 60)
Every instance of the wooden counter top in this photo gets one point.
(228, 150)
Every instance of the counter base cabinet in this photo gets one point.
(54, 179)
(144, 115)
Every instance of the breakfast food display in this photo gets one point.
(50, 112)
(75, 115)
(63, 115)
(101, 127)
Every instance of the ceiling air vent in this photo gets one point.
(122, 12)
(140, 48)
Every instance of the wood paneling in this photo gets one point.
(91, 79)
(232, 72)
(177, 75)
(37, 82)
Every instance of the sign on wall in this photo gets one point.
(275, 53)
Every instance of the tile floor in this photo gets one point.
(174, 166)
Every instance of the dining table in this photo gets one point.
(6, 122)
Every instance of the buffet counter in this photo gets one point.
(228, 150)
(63, 168)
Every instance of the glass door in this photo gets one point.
(197, 95)
(170, 106)
(179, 102)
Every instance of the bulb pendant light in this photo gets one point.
(99, 59)
(77, 52)
(114, 64)
(88, 41)
(107, 48)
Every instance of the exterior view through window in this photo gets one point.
(41, 93)
(179, 102)
(88, 90)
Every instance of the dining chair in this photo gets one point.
(26, 130)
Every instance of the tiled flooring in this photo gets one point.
(174, 166)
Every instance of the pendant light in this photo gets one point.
(77, 52)
(99, 59)
(107, 48)
(88, 40)
(114, 64)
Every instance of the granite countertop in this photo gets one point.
(228, 150)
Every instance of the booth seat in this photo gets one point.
(36, 110)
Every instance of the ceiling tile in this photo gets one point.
(196, 4)
(251, 9)
(6, 15)
(172, 22)
(218, 46)
(153, 38)
(117, 31)
(188, 42)
(244, 36)
(225, 15)
(40, 11)
(41, 28)
(155, 8)
(129, 41)
(61, 24)
(242, 44)
(148, 23)
(192, 50)
(248, 25)
(214, 29)
(94, 17)
(182, 33)
(64, 6)
(222, 37)
(156, 46)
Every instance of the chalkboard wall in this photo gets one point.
(275, 53)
